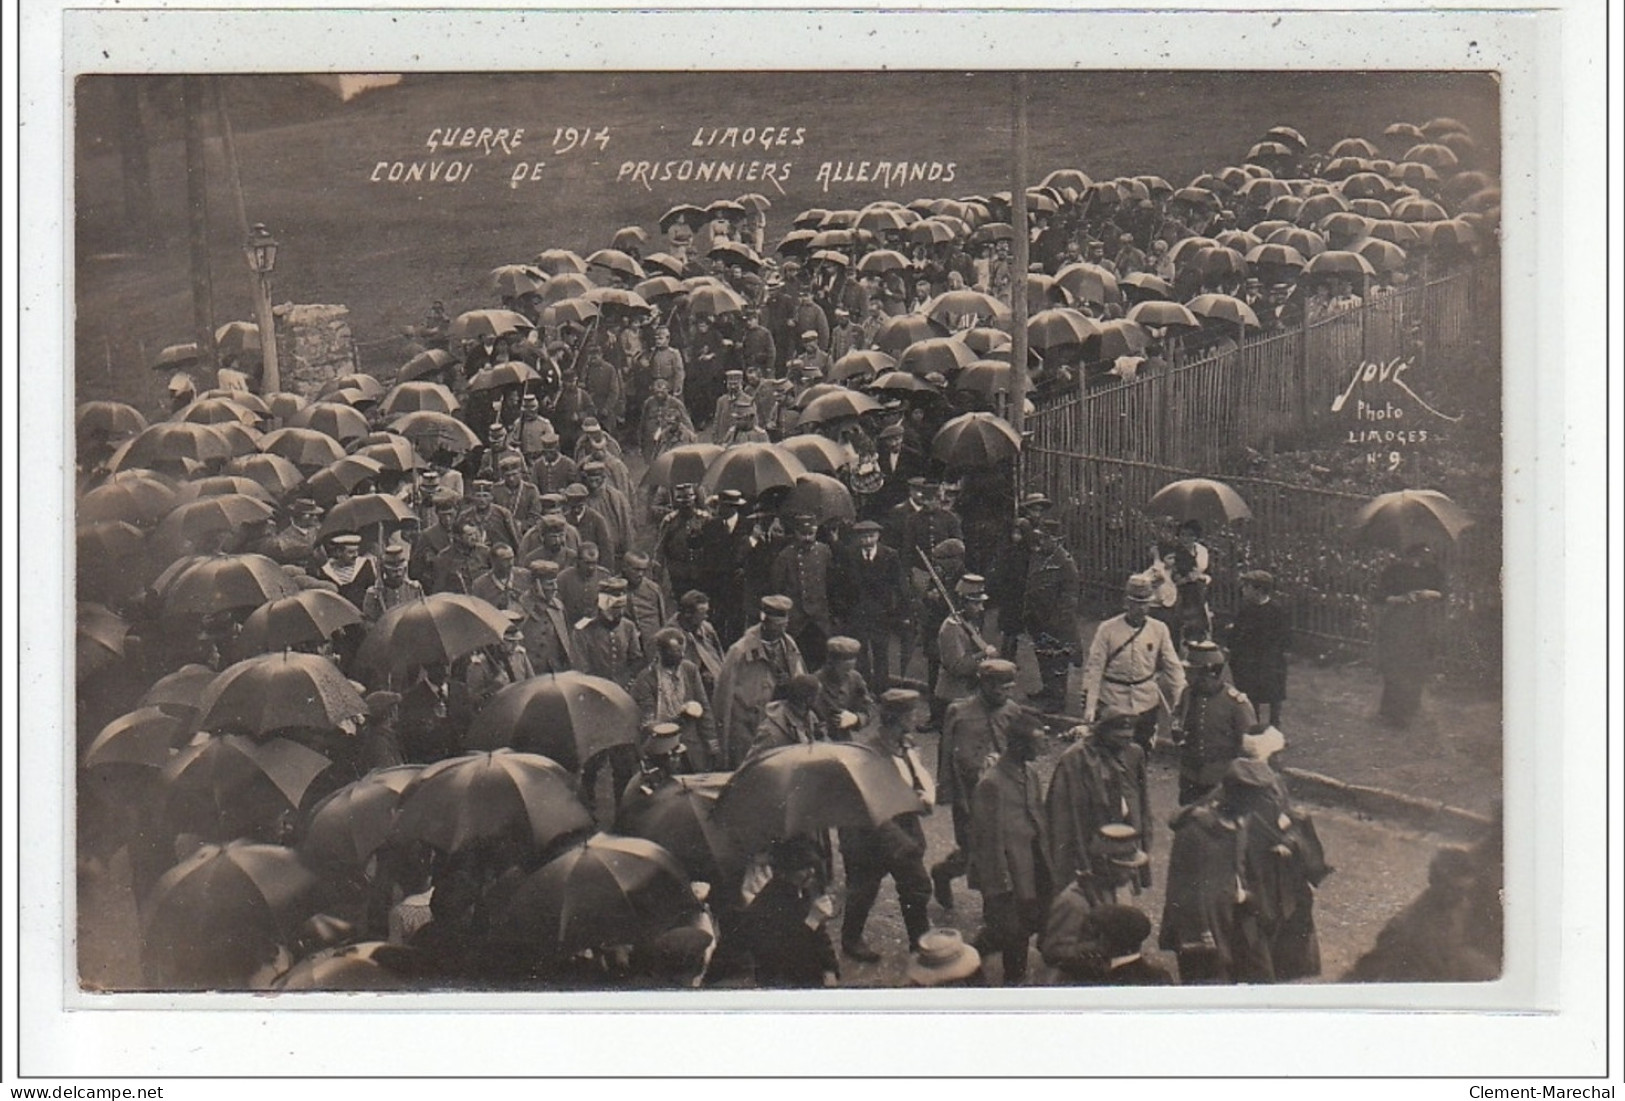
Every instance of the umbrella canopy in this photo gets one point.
(304, 447)
(221, 582)
(659, 286)
(431, 432)
(440, 628)
(1435, 155)
(803, 789)
(559, 261)
(514, 280)
(986, 377)
(981, 340)
(1345, 223)
(820, 496)
(178, 693)
(370, 965)
(145, 738)
(615, 261)
(864, 361)
(1121, 337)
(1091, 283)
(1306, 241)
(309, 615)
(274, 691)
(606, 891)
(425, 364)
(105, 552)
(109, 419)
(1207, 501)
(221, 484)
(935, 355)
(99, 639)
(139, 501)
(975, 440)
(569, 717)
(568, 287)
(409, 397)
(946, 309)
(395, 453)
(480, 798)
(277, 475)
(216, 411)
(902, 380)
(752, 467)
(1224, 307)
(684, 464)
(1366, 185)
(819, 454)
(1160, 315)
(570, 311)
(836, 406)
(1409, 516)
(1340, 262)
(897, 333)
(218, 915)
(677, 817)
(1059, 328)
(1406, 210)
(340, 479)
(1381, 255)
(713, 299)
(342, 422)
(1145, 285)
(481, 323)
(171, 441)
(816, 391)
(1395, 232)
(510, 373)
(881, 261)
(1275, 254)
(618, 298)
(352, 823)
(195, 523)
(232, 786)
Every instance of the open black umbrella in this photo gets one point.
(274, 691)
(570, 717)
(481, 798)
(677, 817)
(232, 786)
(436, 629)
(352, 823)
(803, 789)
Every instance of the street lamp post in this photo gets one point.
(260, 251)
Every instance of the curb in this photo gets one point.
(1373, 802)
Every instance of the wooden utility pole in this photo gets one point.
(1018, 277)
(270, 371)
(194, 100)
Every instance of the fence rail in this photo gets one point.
(1102, 453)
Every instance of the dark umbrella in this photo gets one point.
(570, 717)
(1409, 516)
(409, 397)
(935, 355)
(430, 432)
(304, 447)
(1339, 262)
(395, 453)
(139, 501)
(216, 411)
(222, 582)
(658, 287)
(819, 454)
(965, 303)
(897, 333)
(357, 514)
(1202, 499)
(711, 300)
(570, 311)
(370, 965)
(1380, 254)
(752, 467)
(982, 340)
(309, 615)
(986, 377)
(352, 823)
(1160, 315)
(802, 789)
(517, 280)
(340, 479)
(559, 261)
(170, 441)
(684, 464)
(145, 738)
(1280, 255)
(330, 418)
(1306, 241)
(1226, 308)
(1060, 328)
(902, 380)
(480, 323)
(178, 693)
(439, 628)
(692, 216)
(820, 496)
(279, 476)
(975, 440)
(233, 786)
(614, 260)
(479, 798)
(424, 364)
(275, 691)
(109, 419)
(1119, 338)
(606, 891)
(861, 362)
(677, 817)
(222, 485)
(221, 913)
(837, 405)
(565, 288)
(99, 639)
(359, 382)
(1090, 283)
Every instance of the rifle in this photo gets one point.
(953, 613)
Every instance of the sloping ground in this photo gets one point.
(386, 250)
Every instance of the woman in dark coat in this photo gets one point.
(1409, 598)
(1259, 638)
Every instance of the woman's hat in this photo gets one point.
(943, 957)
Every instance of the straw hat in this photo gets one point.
(943, 957)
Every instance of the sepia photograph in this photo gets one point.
(616, 531)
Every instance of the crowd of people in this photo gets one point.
(765, 500)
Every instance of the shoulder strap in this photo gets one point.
(1126, 643)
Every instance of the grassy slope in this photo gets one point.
(387, 250)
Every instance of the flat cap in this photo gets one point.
(544, 569)
(843, 646)
(998, 670)
(949, 548)
(777, 605)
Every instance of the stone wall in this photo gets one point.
(314, 344)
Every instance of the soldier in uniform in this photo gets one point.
(495, 521)
(436, 539)
(456, 568)
(549, 639)
(521, 498)
(609, 647)
(549, 539)
(754, 671)
(610, 503)
(933, 610)
(531, 429)
(844, 700)
(961, 648)
(351, 572)
(394, 587)
(792, 720)
(1010, 579)
(646, 603)
(1132, 667)
(295, 545)
(493, 668)
(897, 848)
(670, 690)
(722, 417)
(1051, 614)
(802, 572)
(973, 734)
(552, 470)
(679, 542)
(504, 583)
(580, 583)
(742, 425)
(701, 643)
(722, 541)
(1009, 853)
(1099, 781)
(591, 525)
(869, 597)
(1214, 716)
